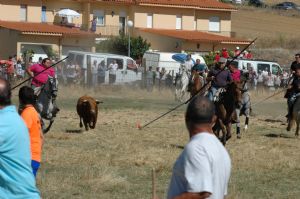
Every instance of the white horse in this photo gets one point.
(181, 85)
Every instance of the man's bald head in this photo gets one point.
(5, 92)
(200, 111)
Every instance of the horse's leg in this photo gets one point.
(80, 122)
(298, 123)
(224, 133)
(228, 129)
(246, 123)
(290, 122)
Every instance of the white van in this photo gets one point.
(164, 60)
(258, 65)
(127, 68)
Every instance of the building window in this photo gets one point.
(100, 17)
(214, 24)
(44, 18)
(195, 24)
(149, 20)
(178, 22)
(23, 12)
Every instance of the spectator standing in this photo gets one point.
(71, 73)
(203, 168)
(157, 77)
(253, 77)
(19, 69)
(237, 51)
(270, 81)
(9, 68)
(32, 121)
(217, 57)
(94, 24)
(101, 72)
(113, 67)
(285, 78)
(225, 53)
(277, 81)
(94, 71)
(163, 75)
(249, 55)
(149, 79)
(16, 178)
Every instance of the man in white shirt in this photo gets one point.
(203, 168)
(188, 64)
(94, 71)
(113, 67)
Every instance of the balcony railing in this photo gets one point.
(110, 30)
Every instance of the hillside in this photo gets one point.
(278, 34)
(251, 23)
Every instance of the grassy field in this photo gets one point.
(115, 160)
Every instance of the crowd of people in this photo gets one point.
(237, 52)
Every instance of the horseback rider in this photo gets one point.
(41, 73)
(188, 64)
(39, 80)
(293, 89)
(294, 64)
(219, 78)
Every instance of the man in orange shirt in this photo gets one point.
(32, 121)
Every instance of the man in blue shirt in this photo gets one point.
(16, 178)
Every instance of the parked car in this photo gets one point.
(287, 6)
(257, 3)
(127, 71)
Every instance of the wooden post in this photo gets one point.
(153, 184)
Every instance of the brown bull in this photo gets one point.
(87, 109)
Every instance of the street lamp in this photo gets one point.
(129, 25)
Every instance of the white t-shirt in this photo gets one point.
(94, 69)
(113, 68)
(189, 65)
(203, 166)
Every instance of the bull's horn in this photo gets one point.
(84, 101)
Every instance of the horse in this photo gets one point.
(226, 110)
(245, 108)
(295, 116)
(196, 84)
(46, 105)
(181, 85)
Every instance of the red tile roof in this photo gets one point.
(197, 4)
(202, 4)
(44, 28)
(195, 36)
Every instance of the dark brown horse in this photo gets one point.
(226, 107)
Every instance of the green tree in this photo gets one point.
(119, 45)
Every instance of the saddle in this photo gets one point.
(218, 95)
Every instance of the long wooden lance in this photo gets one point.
(201, 89)
(53, 65)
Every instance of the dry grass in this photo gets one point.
(115, 159)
